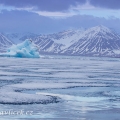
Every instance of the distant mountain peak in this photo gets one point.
(100, 28)
(95, 41)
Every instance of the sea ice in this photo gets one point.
(26, 49)
(10, 95)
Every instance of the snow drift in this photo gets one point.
(26, 49)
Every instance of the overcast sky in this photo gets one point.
(48, 16)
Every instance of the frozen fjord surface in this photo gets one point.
(79, 87)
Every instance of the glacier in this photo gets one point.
(26, 49)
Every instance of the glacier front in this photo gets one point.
(26, 49)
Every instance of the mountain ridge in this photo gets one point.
(95, 41)
(4, 43)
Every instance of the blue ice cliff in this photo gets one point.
(26, 49)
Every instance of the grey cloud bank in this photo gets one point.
(43, 5)
(112, 4)
(23, 21)
(29, 21)
(60, 5)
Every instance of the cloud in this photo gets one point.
(111, 4)
(55, 14)
(61, 5)
(43, 5)
(24, 21)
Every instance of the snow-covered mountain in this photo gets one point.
(96, 41)
(47, 45)
(67, 37)
(20, 37)
(54, 43)
(4, 43)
